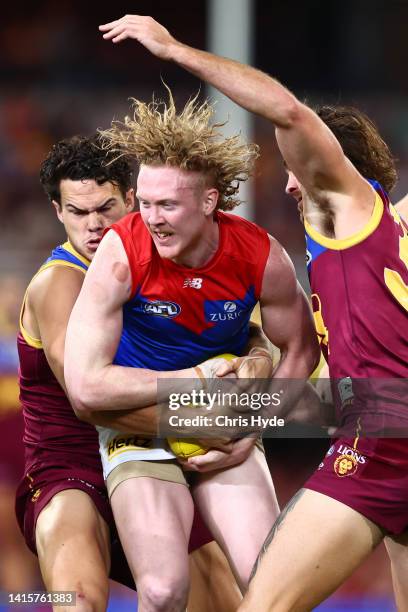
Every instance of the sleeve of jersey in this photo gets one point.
(126, 231)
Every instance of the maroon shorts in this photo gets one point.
(42, 482)
(369, 475)
(40, 485)
(11, 447)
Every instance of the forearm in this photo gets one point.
(257, 341)
(290, 380)
(250, 88)
(144, 422)
(311, 409)
(118, 388)
(297, 363)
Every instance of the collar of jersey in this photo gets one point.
(68, 247)
(345, 243)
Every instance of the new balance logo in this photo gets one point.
(195, 283)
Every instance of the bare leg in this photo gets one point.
(73, 550)
(19, 569)
(154, 519)
(315, 544)
(213, 586)
(397, 548)
(239, 506)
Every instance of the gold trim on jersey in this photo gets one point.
(345, 243)
(36, 342)
(68, 247)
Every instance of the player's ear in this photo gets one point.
(210, 200)
(130, 199)
(58, 210)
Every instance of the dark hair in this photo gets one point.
(361, 143)
(79, 158)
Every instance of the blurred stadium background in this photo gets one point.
(59, 78)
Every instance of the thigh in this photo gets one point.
(397, 548)
(239, 505)
(213, 586)
(154, 519)
(73, 545)
(315, 544)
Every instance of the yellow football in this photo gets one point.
(188, 447)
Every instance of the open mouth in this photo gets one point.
(94, 243)
(162, 237)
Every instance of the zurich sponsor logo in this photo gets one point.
(169, 310)
(231, 313)
(230, 307)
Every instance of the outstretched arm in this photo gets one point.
(309, 148)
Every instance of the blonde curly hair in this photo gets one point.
(156, 135)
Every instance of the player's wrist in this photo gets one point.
(200, 378)
(258, 351)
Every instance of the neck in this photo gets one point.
(203, 249)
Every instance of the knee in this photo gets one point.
(88, 598)
(163, 595)
(89, 602)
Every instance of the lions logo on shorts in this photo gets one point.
(345, 465)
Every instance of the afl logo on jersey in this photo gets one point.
(169, 310)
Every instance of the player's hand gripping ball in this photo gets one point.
(188, 447)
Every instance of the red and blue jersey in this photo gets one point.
(177, 317)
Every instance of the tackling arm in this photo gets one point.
(93, 334)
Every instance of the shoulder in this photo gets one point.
(55, 283)
(279, 261)
(129, 223)
(133, 235)
(279, 274)
(242, 236)
(237, 223)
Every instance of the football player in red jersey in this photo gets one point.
(168, 288)
(62, 505)
(338, 168)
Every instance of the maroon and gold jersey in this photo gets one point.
(50, 424)
(360, 302)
